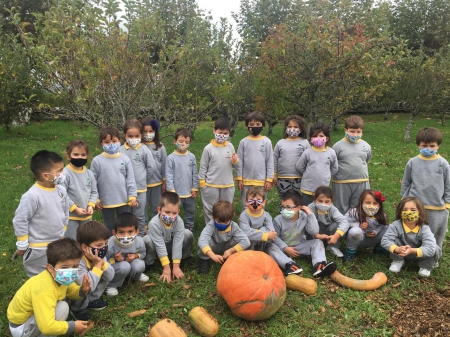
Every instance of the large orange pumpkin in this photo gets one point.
(252, 285)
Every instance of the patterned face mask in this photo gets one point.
(318, 141)
(352, 139)
(101, 252)
(427, 152)
(182, 147)
(370, 210)
(255, 203)
(133, 142)
(66, 276)
(221, 138)
(58, 180)
(126, 241)
(410, 216)
(291, 132)
(112, 148)
(148, 137)
(168, 220)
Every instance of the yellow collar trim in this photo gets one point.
(255, 138)
(323, 213)
(116, 155)
(129, 147)
(255, 215)
(346, 140)
(213, 142)
(48, 189)
(409, 230)
(149, 143)
(226, 230)
(436, 156)
(181, 154)
(294, 139)
(74, 170)
(319, 150)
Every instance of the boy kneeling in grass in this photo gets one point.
(38, 307)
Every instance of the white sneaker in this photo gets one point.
(436, 264)
(396, 266)
(143, 278)
(336, 251)
(424, 272)
(111, 291)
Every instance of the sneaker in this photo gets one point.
(396, 266)
(192, 229)
(380, 250)
(97, 305)
(81, 315)
(436, 264)
(143, 278)
(349, 254)
(189, 261)
(111, 291)
(335, 250)
(204, 266)
(322, 269)
(423, 272)
(292, 268)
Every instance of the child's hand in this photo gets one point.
(89, 210)
(234, 158)
(176, 271)
(86, 285)
(94, 258)
(118, 257)
(166, 274)
(81, 327)
(133, 203)
(217, 258)
(80, 211)
(290, 251)
(21, 252)
(240, 185)
(163, 187)
(228, 253)
(272, 235)
(364, 226)
(305, 209)
(267, 185)
(98, 206)
(275, 181)
(194, 194)
(404, 250)
(131, 257)
(333, 239)
(321, 236)
(371, 234)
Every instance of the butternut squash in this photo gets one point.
(166, 328)
(304, 285)
(204, 323)
(378, 280)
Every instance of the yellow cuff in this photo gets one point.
(164, 260)
(274, 175)
(98, 200)
(176, 261)
(164, 179)
(65, 228)
(172, 191)
(105, 266)
(206, 249)
(90, 203)
(238, 248)
(392, 248)
(202, 183)
(239, 178)
(419, 252)
(265, 237)
(71, 209)
(22, 238)
(139, 255)
(131, 198)
(112, 261)
(269, 180)
(340, 232)
(97, 271)
(447, 205)
(194, 189)
(235, 162)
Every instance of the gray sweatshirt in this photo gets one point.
(41, 217)
(143, 164)
(162, 234)
(331, 216)
(427, 178)
(216, 166)
(181, 173)
(286, 154)
(138, 247)
(255, 165)
(420, 237)
(233, 232)
(293, 233)
(316, 168)
(81, 187)
(115, 179)
(159, 156)
(372, 224)
(352, 159)
(99, 278)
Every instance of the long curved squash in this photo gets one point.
(378, 280)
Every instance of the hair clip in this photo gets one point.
(380, 196)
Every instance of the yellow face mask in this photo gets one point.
(410, 216)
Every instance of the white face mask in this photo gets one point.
(133, 142)
(288, 214)
(148, 137)
(323, 207)
(126, 241)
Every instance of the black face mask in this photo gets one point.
(78, 162)
(255, 130)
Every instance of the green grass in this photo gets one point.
(334, 311)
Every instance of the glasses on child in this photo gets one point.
(289, 208)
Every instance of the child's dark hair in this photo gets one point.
(126, 219)
(324, 190)
(92, 231)
(43, 161)
(111, 131)
(169, 198)
(420, 208)
(182, 132)
(294, 195)
(255, 191)
(222, 124)
(63, 250)
(358, 211)
(318, 127)
(223, 211)
(255, 116)
(154, 123)
(77, 143)
(429, 135)
(301, 124)
(354, 122)
(132, 124)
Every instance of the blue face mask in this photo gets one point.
(352, 139)
(427, 152)
(221, 227)
(66, 277)
(112, 148)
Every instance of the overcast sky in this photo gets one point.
(220, 8)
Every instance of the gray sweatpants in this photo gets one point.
(139, 211)
(217, 248)
(313, 248)
(346, 196)
(356, 238)
(188, 204)
(288, 184)
(438, 222)
(34, 261)
(122, 269)
(72, 228)
(423, 262)
(150, 247)
(30, 327)
(109, 215)
(273, 251)
(307, 199)
(153, 196)
(330, 230)
(210, 195)
(244, 193)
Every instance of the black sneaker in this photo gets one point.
(81, 315)
(380, 250)
(292, 268)
(322, 269)
(189, 261)
(204, 266)
(192, 229)
(349, 254)
(97, 305)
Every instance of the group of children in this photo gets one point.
(126, 182)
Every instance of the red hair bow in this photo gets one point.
(380, 196)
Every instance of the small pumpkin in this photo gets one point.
(204, 323)
(378, 280)
(166, 328)
(252, 284)
(305, 285)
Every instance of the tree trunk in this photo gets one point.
(334, 123)
(409, 126)
(443, 118)
(386, 115)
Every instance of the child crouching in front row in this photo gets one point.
(221, 237)
(410, 238)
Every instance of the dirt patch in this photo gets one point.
(428, 316)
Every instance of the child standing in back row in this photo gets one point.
(143, 167)
(216, 168)
(80, 185)
(353, 155)
(287, 152)
(255, 166)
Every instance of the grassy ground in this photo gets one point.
(334, 311)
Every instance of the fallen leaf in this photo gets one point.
(186, 286)
(397, 284)
(150, 285)
(151, 299)
(90, 325)
(330, 304)
(323, 309)
(136, 313)
(177, 305)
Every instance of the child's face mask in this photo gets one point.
(410, 216)
(148, 137)
(126, 241)
(254, 203)
(65, 277)
(370, 210)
